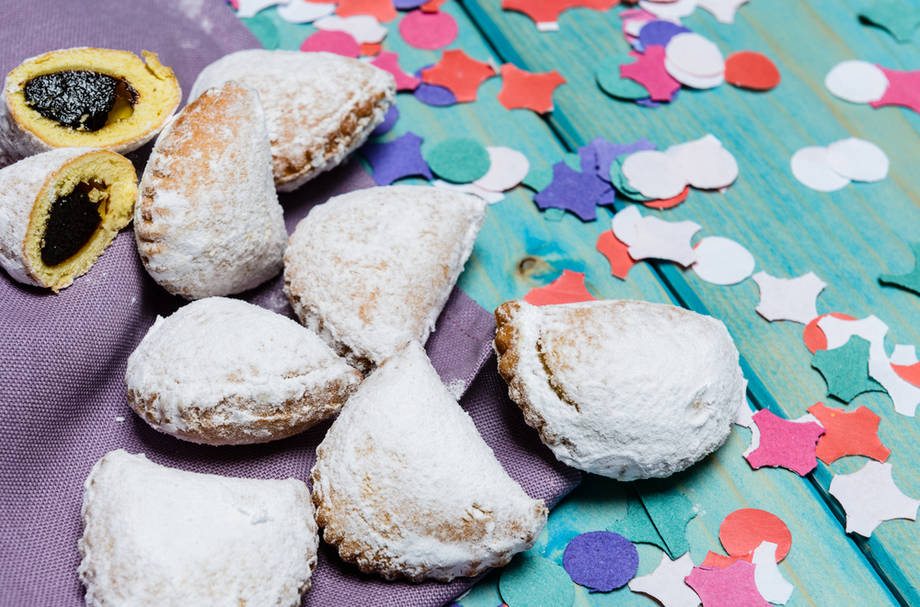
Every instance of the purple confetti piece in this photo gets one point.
(606, 153)
(432, 94)
(659, 32)
(601, 560)
(572, 191)
(389, 121)
(392, 160)
(405, 5)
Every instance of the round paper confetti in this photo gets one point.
(610, 81)
(659, 32)
(811, 166)
(428, 30)
(722, 261)
(340, 43)
(301, 11)
(507, 168)
(601, 560)
(389, 121)
(533, 581)
(856, 81)
(704, 163)
(619, 181)
(692, 80)
(458, 160)
(858, 159)
(405, 5)
(742, 531)
(653, 174)
(814, 337)
(693, 54)
(363, 28)
(750, 70)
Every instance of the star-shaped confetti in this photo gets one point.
(788, 298)
(869, 496)
(784, 443)
(526, 90)
(846, 370)
(546, 12)
(729, 587)
(899, 17)
(389, 62)
(723, 10)
(617, 254)
(392, 160)
(769, 581)
(573, 191)
(606, 152)
(659, 239)
(459, 73)
(903, 89)
(381, 9)
(568, 288)
(666, 583)
(848, 433)
(649, 71)
(911, 280)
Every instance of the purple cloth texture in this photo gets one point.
(62, 389)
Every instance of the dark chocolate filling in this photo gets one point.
(72, 221)
(77, 99)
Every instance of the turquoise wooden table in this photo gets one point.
(847, 238)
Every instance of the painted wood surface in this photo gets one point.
(847, 238)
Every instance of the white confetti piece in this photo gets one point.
(745, 415)
(363, 28)
(770, 582)
(722, 261)
(723, 10)
(249, 8)
(904, 355)
(838, 331)
(858, 159)
(788, 298)
(666, 583)
(547, 26)
(811, 167)
(692, 80)
(856, 81)
(670, 11)
(625, 223)
(869, 497)
(690, 53)
(301, 11)
(507, 168)
(704, 163)
(653, 174)
(470, 188)
(659, 239)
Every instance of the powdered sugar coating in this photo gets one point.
(154, 535)
(371, 270)
(208, 221)
(405, 486)
(319, 107)
(624, 389)
(223, 371)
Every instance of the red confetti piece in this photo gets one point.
(742, 531)
(751, 70)
(617, 253)
(903, 89)
(568, 288)
(340, 43)
(649, 71)
(848, 433)
(526, 90)
(370, 49)
(785, 444)
(383, 10)
(548, 11)
(428, 30)
(714, 560)
(729, 587)
(390, 62)
(814, 337)
(459, 73)
(432, 6)
(909, 373)
(668, 203)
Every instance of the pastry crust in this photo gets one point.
(319, 107)
(24, 132)
(28, 191)
(371, 270)
(208, 221)
(154, 535)
(224, 372)
(624, 389)
(404, 486)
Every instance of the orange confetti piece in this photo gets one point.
(459, 73)
(742, 531)
(617, 253)
(432, 6)
(848, 433)
(370, 49)
(668, 203)
(720, 561)
(525, 90)
(568, 288)
(548, 11)
(383, 10)
(814, 337)
(750, 70)
(909, 373)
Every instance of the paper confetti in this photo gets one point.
(389, 62)
(769, 581)
(654, 174)
(909, 281)
(392, 160)
(856, 81)
(389, 121)
(573, 191)
(814, 337)
(659, 32)
(671, 512)
(382, 10)
(362, 28)
(568, 288)
(636, 526)
(750, 70)
(301, 11)
(729, 587)
(704, 163)
(846, 370)
(742, 531)
(903, 89)
(617, 254)
(666, 584)
(340, 43)
(527, 90)
(857, 159)
(694, 61)
(649, 71)
(507, 168)
(607, 152)
(458, 160)
(249, 8)
(811, 166)
(431, 94)
(428, 31)
(869, 497)
(848, 433)
(718, 561)
(600, 560)
(785, 444)
(370, 49)
(545, 13)
(788, 298)
(722, 261)
(611, 82)
(723, 10)
(909, 373)
(671, 9)
(459, 73)
(470, 188)
(667, 203)
(668, 240)
(899, 17)
(534, 581)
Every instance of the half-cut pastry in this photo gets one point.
(208, 220)
(60, 210)
(404, 486)
(370, 270)
(625, 389)
(85, 97)
(320, 107)
(154, 535)
(225, 372)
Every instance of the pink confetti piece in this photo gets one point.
(428, 30)
(649, 71)
(340, 43)
(785, 444)
(903, 89)
(729, 587)
(389, 62)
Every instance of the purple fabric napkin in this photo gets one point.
(62, 357)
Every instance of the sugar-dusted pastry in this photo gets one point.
(625, 389)
(225, 372)
(208, 220)
(154, 535)
(320, 107)
(59, 211)
(370, 270)
(85, 97)
(404, 486)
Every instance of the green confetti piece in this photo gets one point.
(619, 181)
(911, 280)
(898, 17)
(608, 78)
(533, 581)
(458, 160)
(846, 370)
(670, 510)
(636, 526)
